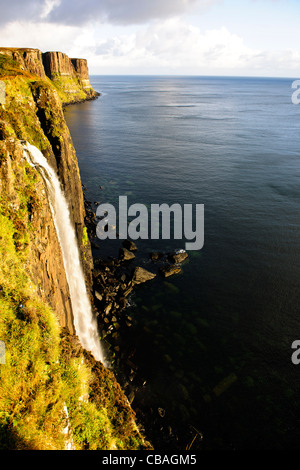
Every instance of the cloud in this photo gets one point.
(174, 46)
(78, 12)
(43, 36)
(19, 9)
(121, 11)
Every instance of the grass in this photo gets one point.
(18, 118)
(8, 67)
(68, 88)
(30, 333)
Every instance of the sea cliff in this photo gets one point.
(53, 394)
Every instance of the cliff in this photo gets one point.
(53, 394)
(33, 112)
(69, 76)
(28, 59)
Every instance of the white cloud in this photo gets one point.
(43, 36)
(174, 46)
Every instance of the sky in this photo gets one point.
(162, 37)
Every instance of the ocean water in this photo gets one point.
(232, 144)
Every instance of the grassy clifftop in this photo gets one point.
(53, 394)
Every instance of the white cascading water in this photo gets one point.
(84, 321)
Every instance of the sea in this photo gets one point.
(214, 343)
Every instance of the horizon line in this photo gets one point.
(191, 75)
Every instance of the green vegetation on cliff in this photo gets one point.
(53, 394)
(68, 89)
(45, 371)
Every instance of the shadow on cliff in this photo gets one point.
(10, 439)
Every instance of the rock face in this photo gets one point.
(82, 72)
(71, 75)
(30, 60)
(46, 266)
(57, 63)
(62, 156)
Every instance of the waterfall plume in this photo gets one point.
(84, 320)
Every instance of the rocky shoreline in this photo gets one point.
(91, 97)
(114, 282)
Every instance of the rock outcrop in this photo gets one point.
(82, 72)
(178, 257)
(70, 76)
(170, 270)
(57, 63)
(141, 275)
(126, 255)
(30, 60)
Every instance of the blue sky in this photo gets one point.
(266, 24)
(194, 37)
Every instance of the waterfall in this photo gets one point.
(84, 321)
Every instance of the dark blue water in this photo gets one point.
(232, 144)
